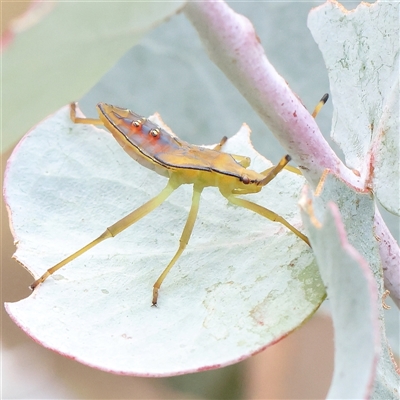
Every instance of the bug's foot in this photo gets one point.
(39, 281)
(155, 296)
(35, 284)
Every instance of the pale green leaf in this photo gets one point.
(242, 283)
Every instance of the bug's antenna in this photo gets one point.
(321, 103)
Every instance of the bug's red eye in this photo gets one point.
(245, 179)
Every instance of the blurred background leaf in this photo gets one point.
(59, 50)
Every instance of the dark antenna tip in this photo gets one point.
(325, 98)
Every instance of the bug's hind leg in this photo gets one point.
(183, 241)
(113, 230)
(78, 120)
(265, 213)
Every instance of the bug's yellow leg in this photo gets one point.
(321, 103)
(221, 143)
(77, 120)
(265, 213)
(114, 229)
(183, 241)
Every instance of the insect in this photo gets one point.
(182, 163)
